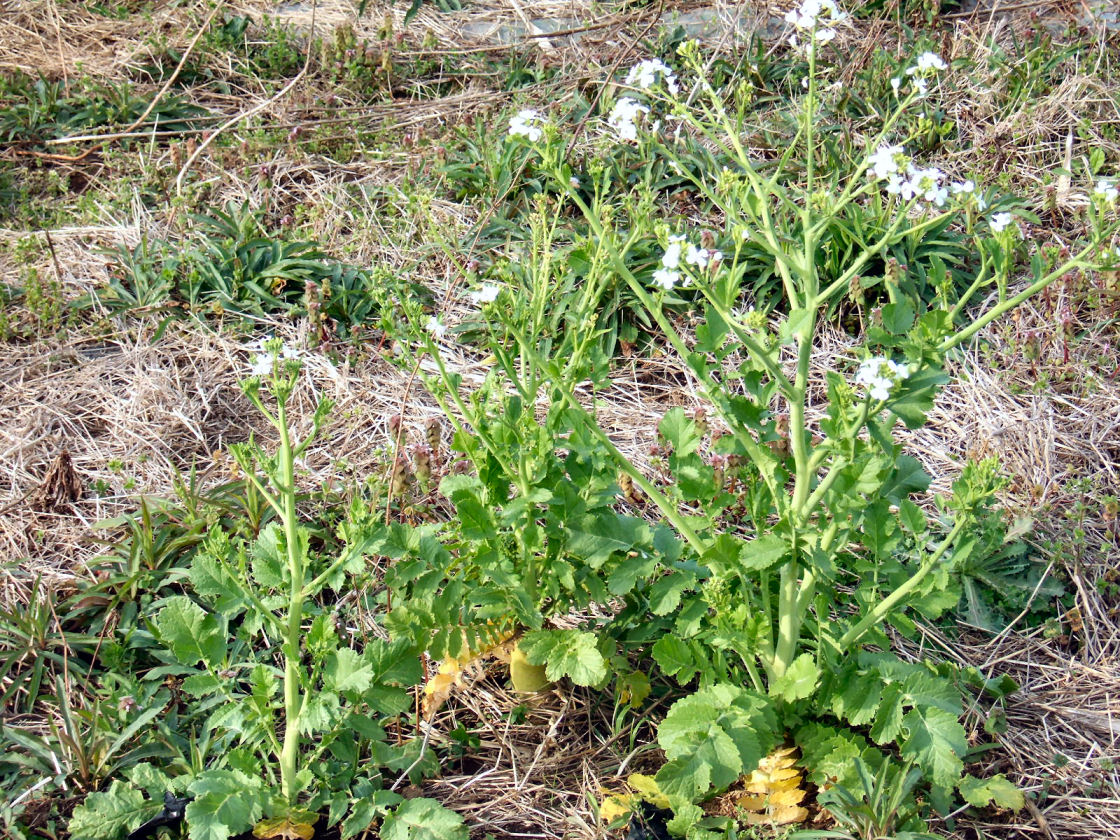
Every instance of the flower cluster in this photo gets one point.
(814, 18)
(526, 123)
(879, 375)
(645, 74)
(269, 351)
(678, 249)
(1107, 192)
(999, 221)
(436, 327)
(625, 116)
(928, 63)
(487, 294)
(891, 164)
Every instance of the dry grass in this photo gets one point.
(160, 408)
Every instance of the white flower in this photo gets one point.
(928, 61)
(672, 256)
(527, 123)
(435, 327)
(812, 13)
(262, 365)
(879, 375)
(885, 161)
(959, 187)
(666, 278)
(896, 83)
(698, 257)
(644, 74)
(1106, 191)
(981, 203)
(624, 117)
(487, 294)
(999, 221)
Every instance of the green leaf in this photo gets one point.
(996, 791)
(226, 802)
(763, 553)
(712, 737)
(680, 432)
(799, 681)
(190, 633)
(925, 689)
(346, 670)
(674, 658)
(394, 663)
(367, 808)
(423, 819)
(105, 816)
(888, 719)
(935, 741)
(797, 325)
(476, 518)
(320, 712)
(566, 653)
(898, 317)
(268, 558)
(594, 537)
(665, 594)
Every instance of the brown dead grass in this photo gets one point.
(159, 408)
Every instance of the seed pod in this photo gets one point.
(400, 477)
(629, 491)
(700, 418)
(433, 433)
(397, 433)
(422, 463)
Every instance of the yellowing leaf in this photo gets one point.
(454, 673)
(786, 798)
(779, 816)
(752, 801)
(647, 789)
(289, 827)
(613, 807)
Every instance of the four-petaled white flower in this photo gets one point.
(269, 353)
(487, 294)
(814, 18)
(436, 327)
(672, 256)
(999, 221)
(878, 376)
(527, 123)
(927, 62)
(262, 365)
(1106, 191)
(699, 257)
(624, 118)
(887, 161)
(645, 75)
(666, 278)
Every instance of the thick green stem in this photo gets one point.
(293, 697)
(881, 610)
(1031, 290)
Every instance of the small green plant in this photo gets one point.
(291, 716)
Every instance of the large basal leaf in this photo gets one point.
(108, 815)
(226, 802)
(566, 653)
(936, 742)
(190, 633)
(423, 819)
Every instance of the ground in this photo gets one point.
(347, 145)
